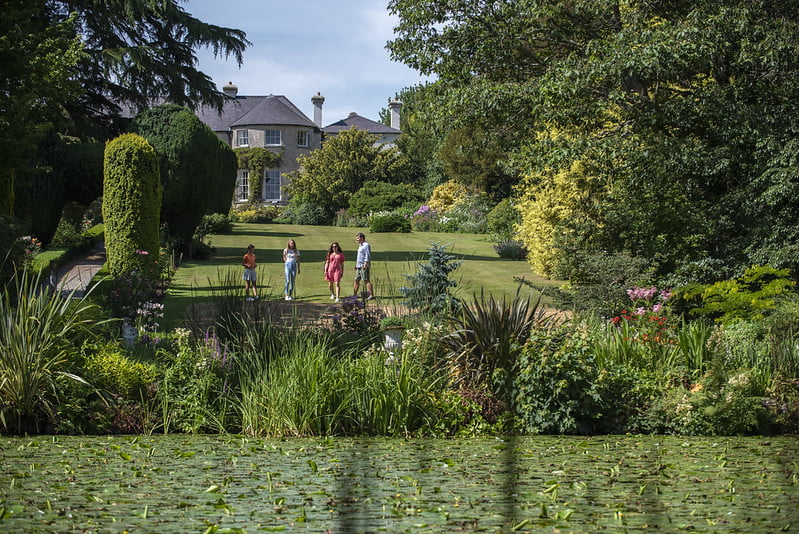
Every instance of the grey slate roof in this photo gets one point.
(254, 110)
(362, 123)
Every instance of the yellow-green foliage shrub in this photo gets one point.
(446, 196)
(110, 369)
(548, 203)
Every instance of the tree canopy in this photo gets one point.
(330, 175)
(662, 129)
(67, 67)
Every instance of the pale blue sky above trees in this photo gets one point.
(300, 48)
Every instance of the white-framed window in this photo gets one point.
(272, 138)
(243, 186)
(302, 138)
(271, 185)
(242, 138)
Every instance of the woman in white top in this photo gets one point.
(291, 261)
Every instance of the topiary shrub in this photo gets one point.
(131, 204)
(225, 167)
(389, 222)
(66, 234)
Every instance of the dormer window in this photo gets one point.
(242, 138)
(272, 138)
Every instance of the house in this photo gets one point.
(271, 122)
(275, 123)
(386, 135)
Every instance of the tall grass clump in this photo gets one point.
(298, 382)
(39, 330)
(283, 376)
(228, 309)
(386, 396)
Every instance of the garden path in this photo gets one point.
(76, 275)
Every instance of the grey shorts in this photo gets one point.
(249, 275)
(362, 273)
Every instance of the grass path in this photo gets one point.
(393, 255)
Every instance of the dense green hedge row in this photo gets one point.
(44, 263)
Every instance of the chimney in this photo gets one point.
(394, 108)
(230, 90)
(317, 100)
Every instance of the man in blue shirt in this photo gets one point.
(362, 264)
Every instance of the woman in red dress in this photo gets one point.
(334, 268)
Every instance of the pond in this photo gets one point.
(192, 483)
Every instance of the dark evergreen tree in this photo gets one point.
(189, 155)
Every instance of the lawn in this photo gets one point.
(393, 256)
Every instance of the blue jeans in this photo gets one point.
(291, 275)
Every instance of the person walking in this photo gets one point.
(363, 262)
(248, 261)
(291, 264)
(334, 269)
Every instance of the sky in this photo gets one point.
(301, 47)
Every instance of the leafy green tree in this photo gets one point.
(38, 66)
(140, 52)
(330, 175)
(131, 201)
(474, 157)
(421, 136)
(189, 155)
(66, 67)
(683, 114)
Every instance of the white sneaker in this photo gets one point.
(288, 298)
(332, 297)
(337, 300)
(250, 299)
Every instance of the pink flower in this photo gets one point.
(657, 307)
(640, 311)
(142, 252)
